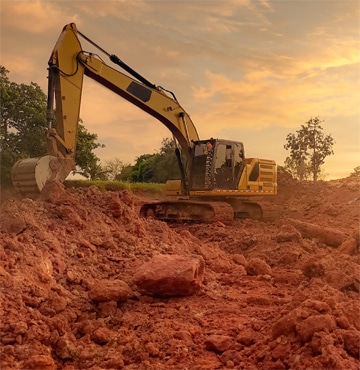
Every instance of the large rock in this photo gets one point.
(170, 275)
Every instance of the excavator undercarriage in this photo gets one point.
(188, 211)
(209, 211)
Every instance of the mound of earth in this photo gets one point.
(281, 295)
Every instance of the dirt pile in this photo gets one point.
(273, 297)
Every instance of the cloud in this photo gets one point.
(34, 17)
(119, 124)
(121, 9)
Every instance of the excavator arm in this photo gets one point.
(68, 64)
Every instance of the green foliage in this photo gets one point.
(22, 123)
(84, 155)
(298, 170)
(23, 128)
(125, 174)
(143, 170)
(158, 167)
(308, 149)
(7, 159)
(356, 172)
(167, 166)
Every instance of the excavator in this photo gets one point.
(218, 183)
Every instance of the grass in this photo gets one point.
(137, 187)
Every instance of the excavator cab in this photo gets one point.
(216, 164)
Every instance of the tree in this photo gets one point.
(22, 123)
(298, 169)
(308, 149)
(167, 165)
(23, 127)
(143, 170)
(113, 168)
(85, 158)
(158, 167)
(125, 174)
(356, 172)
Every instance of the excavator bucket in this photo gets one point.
(29, 175)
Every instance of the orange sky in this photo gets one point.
(251, 71)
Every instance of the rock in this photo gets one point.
(53, 191)
(231, 358)
(218, 343)
(65, 347)
(257, 266)
(313, 268)
(107, 308)
(280, 351)
(13, 225)
(240, 259)
(314, 324)
(349, 246)
(116, 362)
(184, 336)
(288, 233)
(170, 275)
(352, 343)
(152, 349)
(342, 280)
(342, 322)
(13, 221)
(102, 335)
(110, 290)
(40, 362)
(246, 337)
(284, 326)
(319, 306)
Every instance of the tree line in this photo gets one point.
(23, 126)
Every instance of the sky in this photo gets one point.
(245, 70)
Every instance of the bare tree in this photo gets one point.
(113, 167)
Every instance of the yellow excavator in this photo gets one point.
(218, 183)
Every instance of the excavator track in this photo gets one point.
(188, 211)
(210, 211)
(254, 209)
(270, 211)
